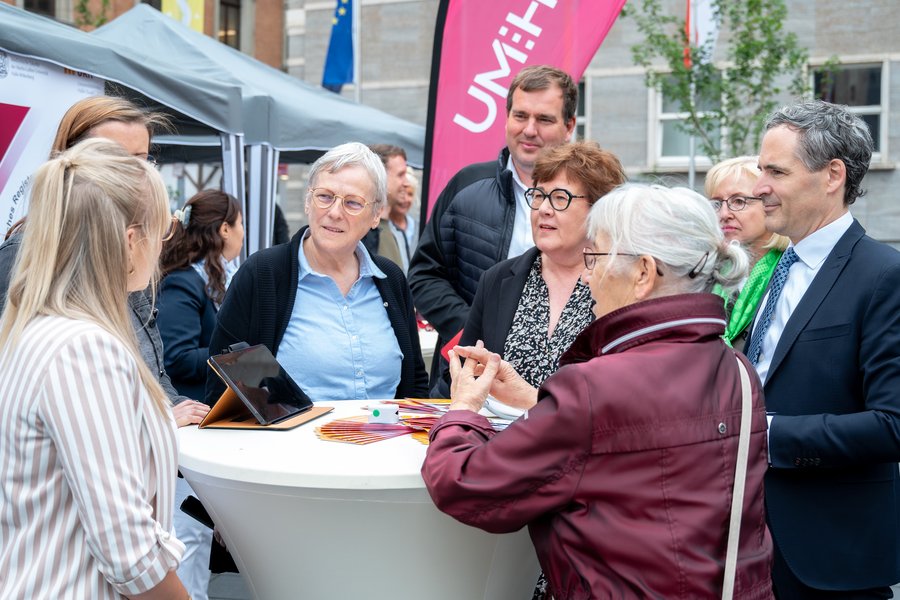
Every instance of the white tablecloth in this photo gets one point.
(305, 518)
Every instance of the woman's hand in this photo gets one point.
(468, 391)
(189, 412)
(508, 387)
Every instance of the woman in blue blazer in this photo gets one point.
(196, 268)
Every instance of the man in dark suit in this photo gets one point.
(827, 347)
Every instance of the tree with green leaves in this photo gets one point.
(84, 17)
(725, 102)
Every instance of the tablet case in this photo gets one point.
(230, 413)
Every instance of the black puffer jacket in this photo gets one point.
(469, 232)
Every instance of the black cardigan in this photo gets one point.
(260, 299)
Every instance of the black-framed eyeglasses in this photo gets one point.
(735, 203)
(590, 258)
(352, 204)
(560, 198)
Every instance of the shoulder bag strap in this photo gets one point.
(740, 478)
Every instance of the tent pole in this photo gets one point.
(233, 170)
(260, 213)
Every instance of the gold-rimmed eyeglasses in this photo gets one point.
(169, 233)
(352, 204)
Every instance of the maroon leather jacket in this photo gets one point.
(622, 471)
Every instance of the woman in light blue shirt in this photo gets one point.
(340, 321)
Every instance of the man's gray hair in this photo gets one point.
(353, 154)
(829, 131)
(678, 228)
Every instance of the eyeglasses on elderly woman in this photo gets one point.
(590, 258)
(735, 203)
(352, 204)
(560, 198)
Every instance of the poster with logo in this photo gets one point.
(34, 95)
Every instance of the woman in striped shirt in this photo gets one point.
(87, 438)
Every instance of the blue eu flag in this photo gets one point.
(339, 60)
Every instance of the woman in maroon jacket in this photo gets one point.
(624, 463)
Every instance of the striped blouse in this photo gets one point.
(87, 468)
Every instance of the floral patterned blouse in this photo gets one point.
(528, 349)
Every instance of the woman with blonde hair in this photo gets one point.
(87, 439)
(729, 185)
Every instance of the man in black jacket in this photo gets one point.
(481, 217)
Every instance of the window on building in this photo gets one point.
(43, 7)
(581, 113)
(230, 23)
(860, 88)
(672, 143)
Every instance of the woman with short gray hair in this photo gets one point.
(340, 322)
(624, 465)
(675, 227)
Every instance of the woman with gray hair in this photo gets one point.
(624, 466)
(340, 321)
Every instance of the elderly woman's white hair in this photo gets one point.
(678, 228)
(353, 154)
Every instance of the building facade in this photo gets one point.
(255, 27)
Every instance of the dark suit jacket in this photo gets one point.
(492, 311)
(186, 321)
(833, 492)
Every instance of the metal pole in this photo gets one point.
(357, 50)
(692, 151)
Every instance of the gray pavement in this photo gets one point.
(228, 586)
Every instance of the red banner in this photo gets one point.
(479, 48)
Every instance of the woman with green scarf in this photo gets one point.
(741, 215)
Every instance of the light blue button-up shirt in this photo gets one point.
(341, 347)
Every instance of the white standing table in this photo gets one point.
(309, 519)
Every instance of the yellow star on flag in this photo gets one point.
(342, 11)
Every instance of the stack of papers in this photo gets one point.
(358, 430)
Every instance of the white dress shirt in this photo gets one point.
(522, 239)
(812, 252)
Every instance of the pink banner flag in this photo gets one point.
(479, 47)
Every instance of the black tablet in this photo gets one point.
(261, 383)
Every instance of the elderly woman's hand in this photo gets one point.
(508, 387)
(468, 391)
(189, 412)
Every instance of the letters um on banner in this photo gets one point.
(503, 51)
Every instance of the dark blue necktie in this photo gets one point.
(779, 276)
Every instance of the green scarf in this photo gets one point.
(751, 294)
